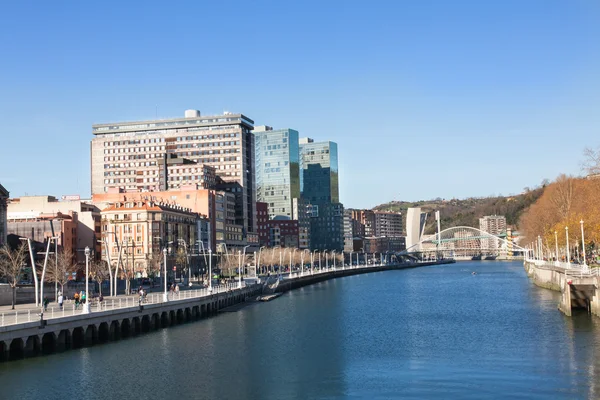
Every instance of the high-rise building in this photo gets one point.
(415, 225)
(388, 224)
(320, 188)
(3, 205)
(494, 225)
(348, 236)
(319, 167)
(302, 213)
(277, 169)
(140, 156)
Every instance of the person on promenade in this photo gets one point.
(83, 297)
(60, 300)
(176, 289)
(46, 301)
(76, 298)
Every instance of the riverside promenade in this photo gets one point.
(24, 332)
(578, 284)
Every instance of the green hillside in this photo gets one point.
(467, 212)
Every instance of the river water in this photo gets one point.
(433, 332)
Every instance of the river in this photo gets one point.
(433, 332)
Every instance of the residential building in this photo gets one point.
(415, 226)
(277, 169)
(301, 212)
(319, 187)
(363, 223)
(283, 233)
(384, 244)
(3, 206)
(29, 208)
(151, 156)
(388, 224)
(348, 236)
(494, 225)
(217, 206)
(43, 226)
(136, 231)
(262, 223)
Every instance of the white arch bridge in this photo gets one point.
(463, 243)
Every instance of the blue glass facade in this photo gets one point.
(277, 170)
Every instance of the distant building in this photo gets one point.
(3, 205)
(142, 228)
(301, 212)
(277, 169)
(283, 233)
(363, 223)
(348, 234)
(494, 225)
(388, 224)
(320, 188)
(167, 154)
(415, 225)
(24, 211)
(262, 223)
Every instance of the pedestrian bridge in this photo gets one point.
(462, 243)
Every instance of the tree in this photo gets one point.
(99, 272)
(154, 264)
(61, 272)
(181, 260)
(11, 267)
(591, 162)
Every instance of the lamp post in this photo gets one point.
(240, 265)
(351, 259)
(292, 254)
(165, 294)
(319, 261)
(568, 254)
(333, 256)
(86, 305)
(326, 261)
(583, 243)
(210, 270)
(302, 261)
(259, 251)
(556, 244)
(312, 262)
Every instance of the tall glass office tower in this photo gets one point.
(319, 163)
(320, 188)
(277, 169)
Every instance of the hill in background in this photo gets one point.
(467, 212)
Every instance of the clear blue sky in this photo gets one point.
(424, 98)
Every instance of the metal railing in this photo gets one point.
(70, 309)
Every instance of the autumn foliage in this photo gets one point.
(564, 203)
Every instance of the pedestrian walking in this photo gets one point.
(76, 298)
(46, 301)
(60, 300)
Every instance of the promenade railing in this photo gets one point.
(121, 302)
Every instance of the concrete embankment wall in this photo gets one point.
(548, 277)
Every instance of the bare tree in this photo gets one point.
(591, 162)
(61, 272)
(562, 195)
(11, 267)
(181, 261)
(99, 272)
(154, 264)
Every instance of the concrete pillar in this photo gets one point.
(595, 300)
(32, 346)
(565, 299)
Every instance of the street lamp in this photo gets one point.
(165, 294)
(209, 270)
(582, 242)
(302, 261)
(258, 261)
(312, 260)
(86, 305)
(333, 256)
(292, 254)
(568, 254)
(240, 265)
(556, 244)
(326, 260)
